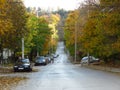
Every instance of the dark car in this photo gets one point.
(22, 65)
(40, 61)
(48, 59)
(55, 55)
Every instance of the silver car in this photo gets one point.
(85, 60)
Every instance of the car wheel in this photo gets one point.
(45, 63)
(15, 70)
(30, 69)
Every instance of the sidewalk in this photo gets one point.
(4, 69)
(100, 67)
(104, 68)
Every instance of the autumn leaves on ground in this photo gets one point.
(7, 82)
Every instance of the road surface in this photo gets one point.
(62, 75)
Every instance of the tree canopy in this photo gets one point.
(98, 29)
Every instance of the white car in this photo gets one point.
(84, 60)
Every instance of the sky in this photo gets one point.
(53, 4)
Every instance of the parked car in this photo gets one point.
(48, 59)
(55, 55)
(41, 60)
(85, 59)
(52, 58)
(22, 65)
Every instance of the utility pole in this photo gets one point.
(37, 12)
(75, 58)
(51, 41)
(22, 48)
(88, 18)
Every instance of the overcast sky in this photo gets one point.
(53, 4)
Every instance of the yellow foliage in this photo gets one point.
(116, 46)
(70, 27)
(5, 26)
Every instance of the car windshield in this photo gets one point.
(85, 58)
(25, 60)
(40, 58)
(93, 58)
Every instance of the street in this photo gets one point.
(63, 75)
(60, 45)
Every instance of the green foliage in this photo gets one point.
(39, 33)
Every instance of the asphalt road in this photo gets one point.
(62, 75)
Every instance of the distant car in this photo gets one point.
(55, 55)
(52, 58)
(48, 59)
(41, 60)
(84, 60)
(22, 65)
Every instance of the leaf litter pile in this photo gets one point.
(6, 82)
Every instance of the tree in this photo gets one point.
(5, 22)
(69, 30)
(39, 36)
(13, 25)
(98, 29)
(100, 36)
